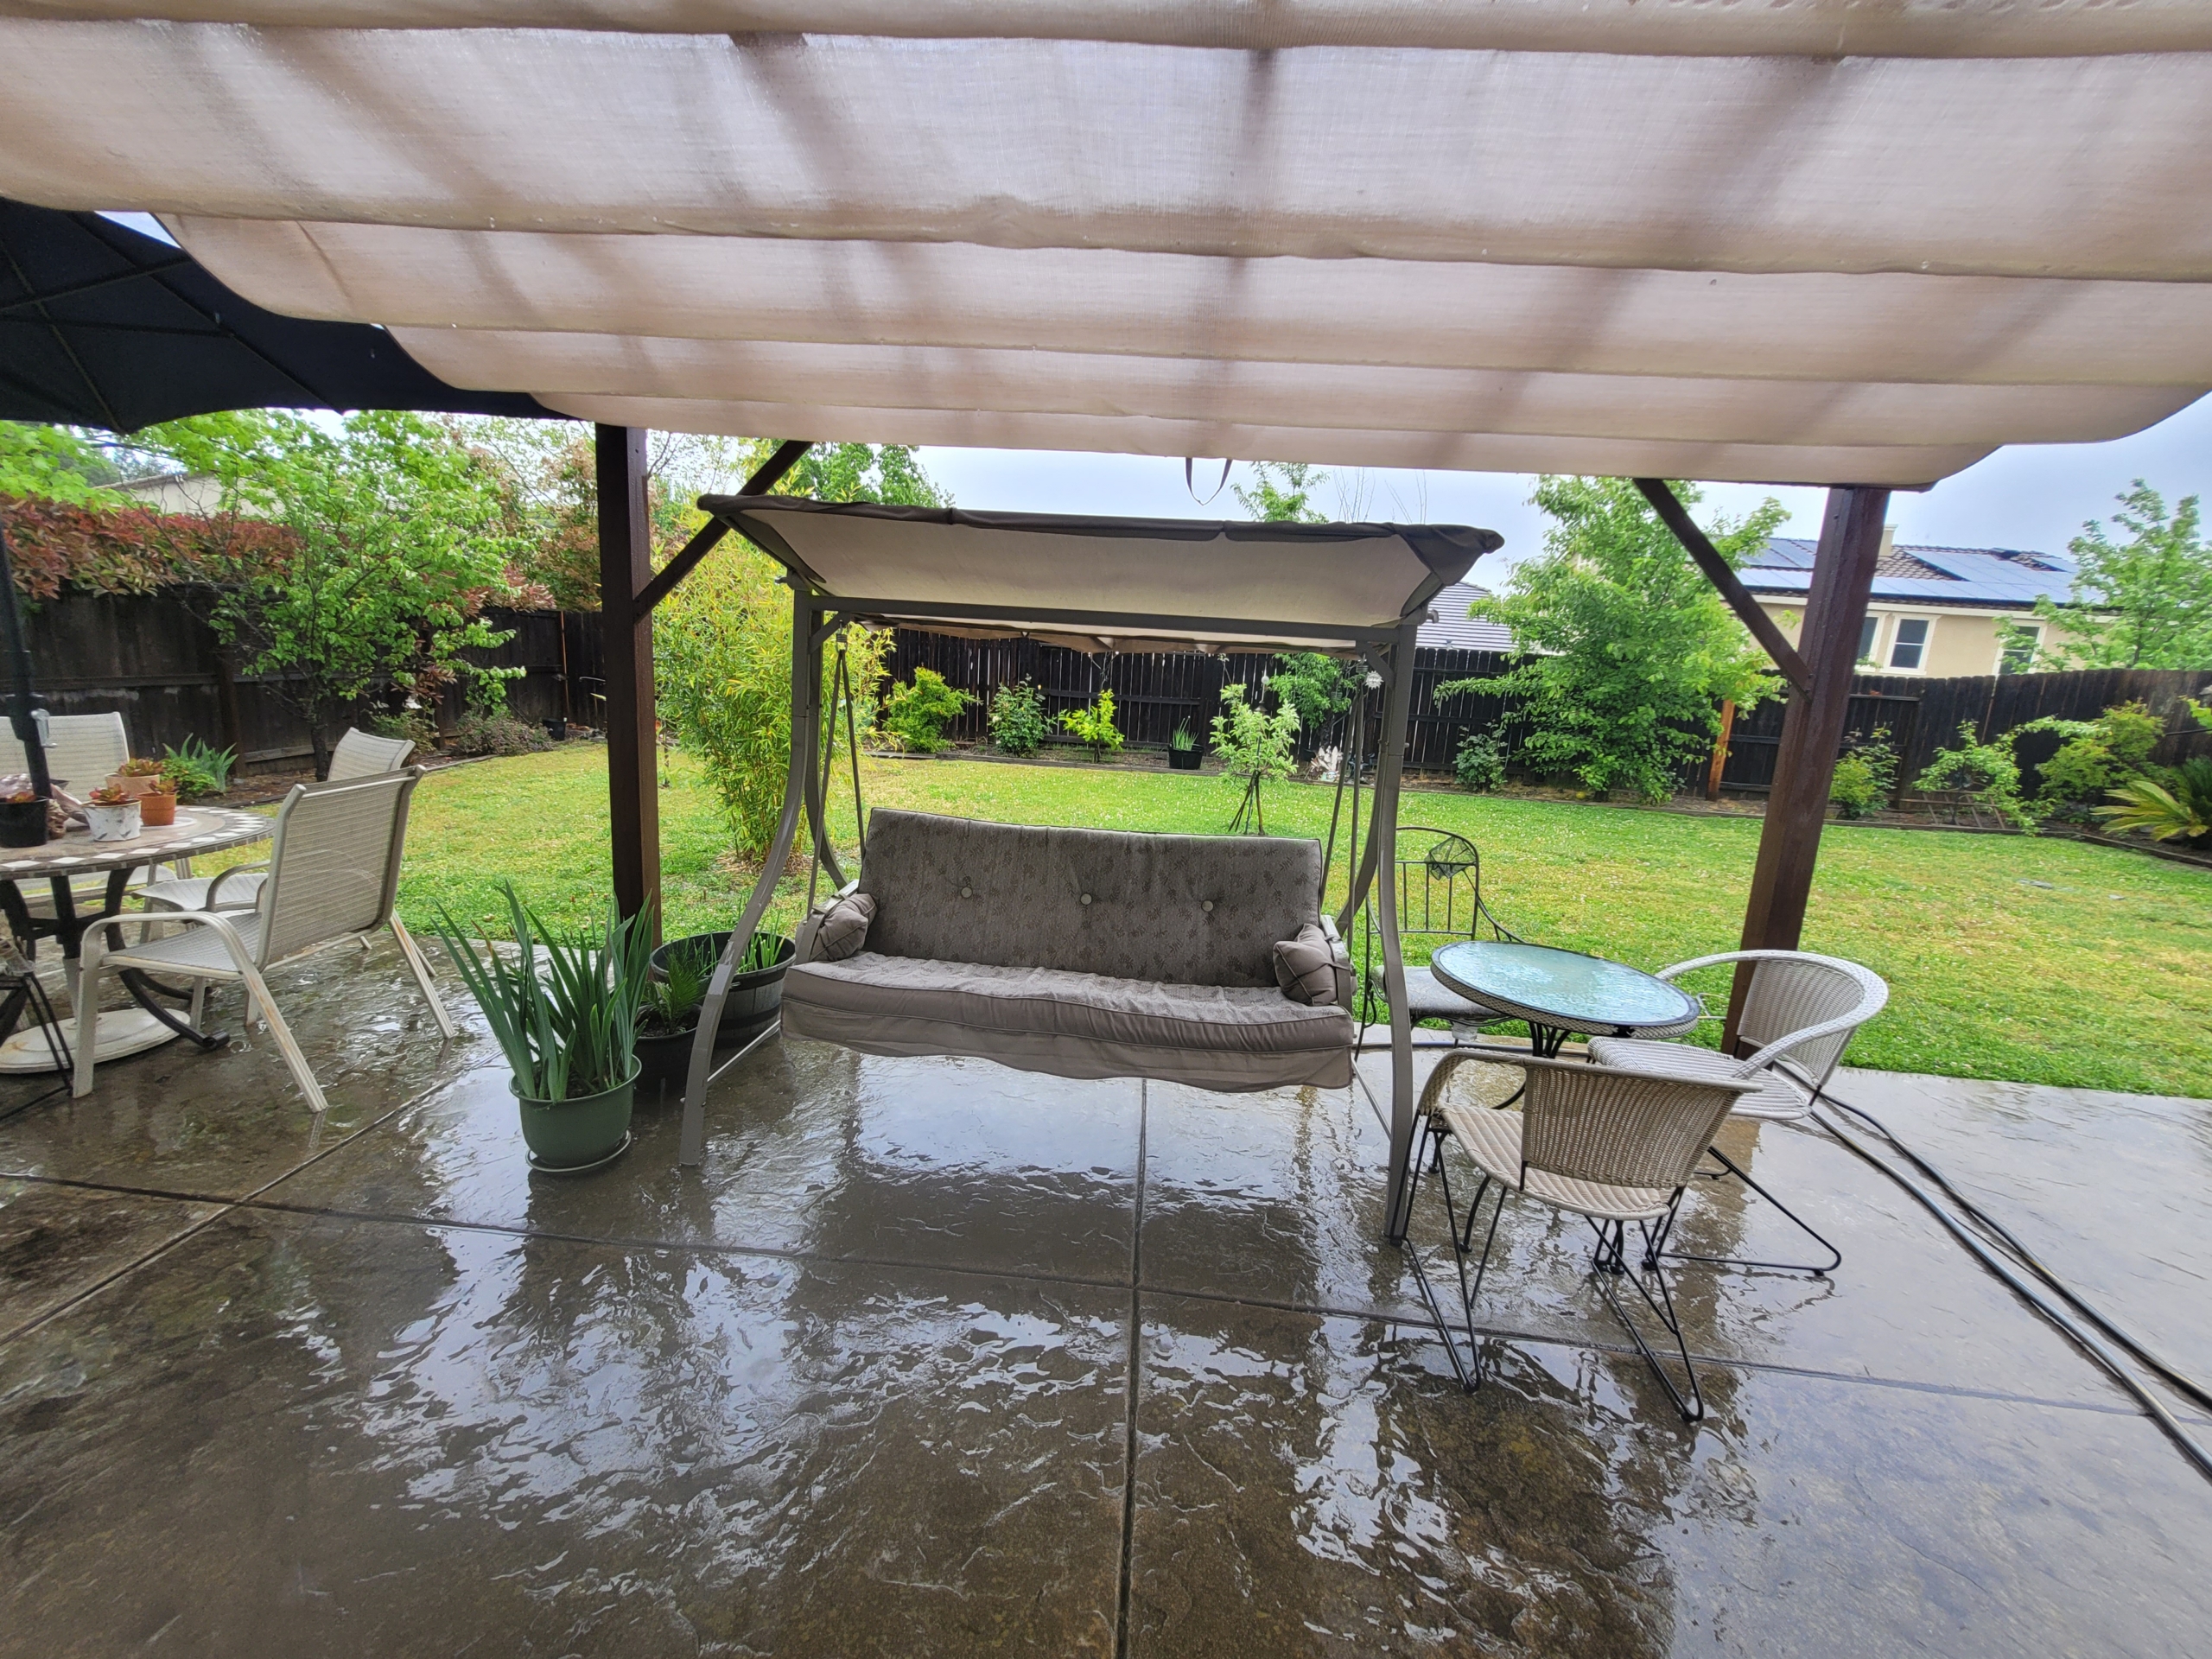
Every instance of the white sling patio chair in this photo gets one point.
(82, 752)
(1611, 1145)
(1801, 1013)
(358, 755)
(332, 876)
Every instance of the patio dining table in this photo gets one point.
(1560, 992)
(197, 829)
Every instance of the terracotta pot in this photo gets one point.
(136, 785)
(157, 808)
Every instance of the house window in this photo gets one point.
(2020, 652)
(1909, 649)
(1867, 629)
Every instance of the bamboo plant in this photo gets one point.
(564, 1005)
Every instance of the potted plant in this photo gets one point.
(110, 815)
(756, 989)
(563, 1007)
(157, 806)
(668, 1019)
(136, 777)
(1182, 748)
(22, 819)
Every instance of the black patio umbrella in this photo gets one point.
(101, 325)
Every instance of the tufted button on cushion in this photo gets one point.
(1207, 906)
(966, 892)
(1086, 898)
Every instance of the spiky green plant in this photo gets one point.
(672, 1001)
(2179, 809)
(564, 1006)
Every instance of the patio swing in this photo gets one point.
(1206, 960)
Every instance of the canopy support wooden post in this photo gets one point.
(1812, 731)
(625, 568)
(1383, 855)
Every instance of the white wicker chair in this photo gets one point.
(332, 875)
(1615, 1146)
(1801, 1013)
(358, 755)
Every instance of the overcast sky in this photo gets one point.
(2034, 497)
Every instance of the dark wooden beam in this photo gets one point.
(625, 568)
(1763, 628)
(711, 533)
(1812, 731)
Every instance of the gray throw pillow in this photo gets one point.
(839, 931)
(1309, 970)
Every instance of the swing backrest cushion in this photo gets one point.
(1182, 910)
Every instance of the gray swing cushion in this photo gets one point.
(1082, 953)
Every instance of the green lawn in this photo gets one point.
(2101, 979)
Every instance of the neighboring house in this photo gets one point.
(1935, 610)
(193, 493)
(1450, 627)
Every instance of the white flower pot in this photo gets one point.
(118, 823)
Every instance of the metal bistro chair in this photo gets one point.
(1438, 892)
(358, 755)
(1802, 1011)
(1596, 1141)
(332, 876)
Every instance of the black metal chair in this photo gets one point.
(1438, 887)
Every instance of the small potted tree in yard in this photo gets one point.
(1094, 727)
(563, 1007)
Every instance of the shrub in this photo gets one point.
(1866, 776)
(2096, 756)
(1317, 685)
(1987, 772)
(413, 724)
(722, 662)
(1094, 727)
(917, 712)
(1479, 765)
(1017, 718)
(498, 734)
(199, 771)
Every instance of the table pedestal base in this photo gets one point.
(124, 1032)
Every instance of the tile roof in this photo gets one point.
(2001, 578)
(1451, 629)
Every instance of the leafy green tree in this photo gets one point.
(1282, 492)
(721, 641)
(55, 463)
(2144, 601)
(1255, 745)
(1630, 651)
(398, 542)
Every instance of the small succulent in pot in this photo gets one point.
(136, 777)
(111, 815)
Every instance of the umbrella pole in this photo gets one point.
(21, 699)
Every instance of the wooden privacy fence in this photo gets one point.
(153, 658)
(150, 657)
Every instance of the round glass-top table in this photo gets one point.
(1559, 992)
(61, 862)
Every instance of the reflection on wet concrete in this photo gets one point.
(863, 1383)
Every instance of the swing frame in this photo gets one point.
(818, 615)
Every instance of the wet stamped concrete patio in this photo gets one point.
(935, 1357)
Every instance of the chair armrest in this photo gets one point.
(221, 876)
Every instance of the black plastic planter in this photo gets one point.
(22, 823)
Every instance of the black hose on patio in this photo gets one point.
(2028, 1291)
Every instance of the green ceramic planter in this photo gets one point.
(576, 1132)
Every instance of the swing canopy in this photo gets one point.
(1110, 584)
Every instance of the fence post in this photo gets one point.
(1720, 749)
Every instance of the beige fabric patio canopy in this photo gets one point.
(1813, 241)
